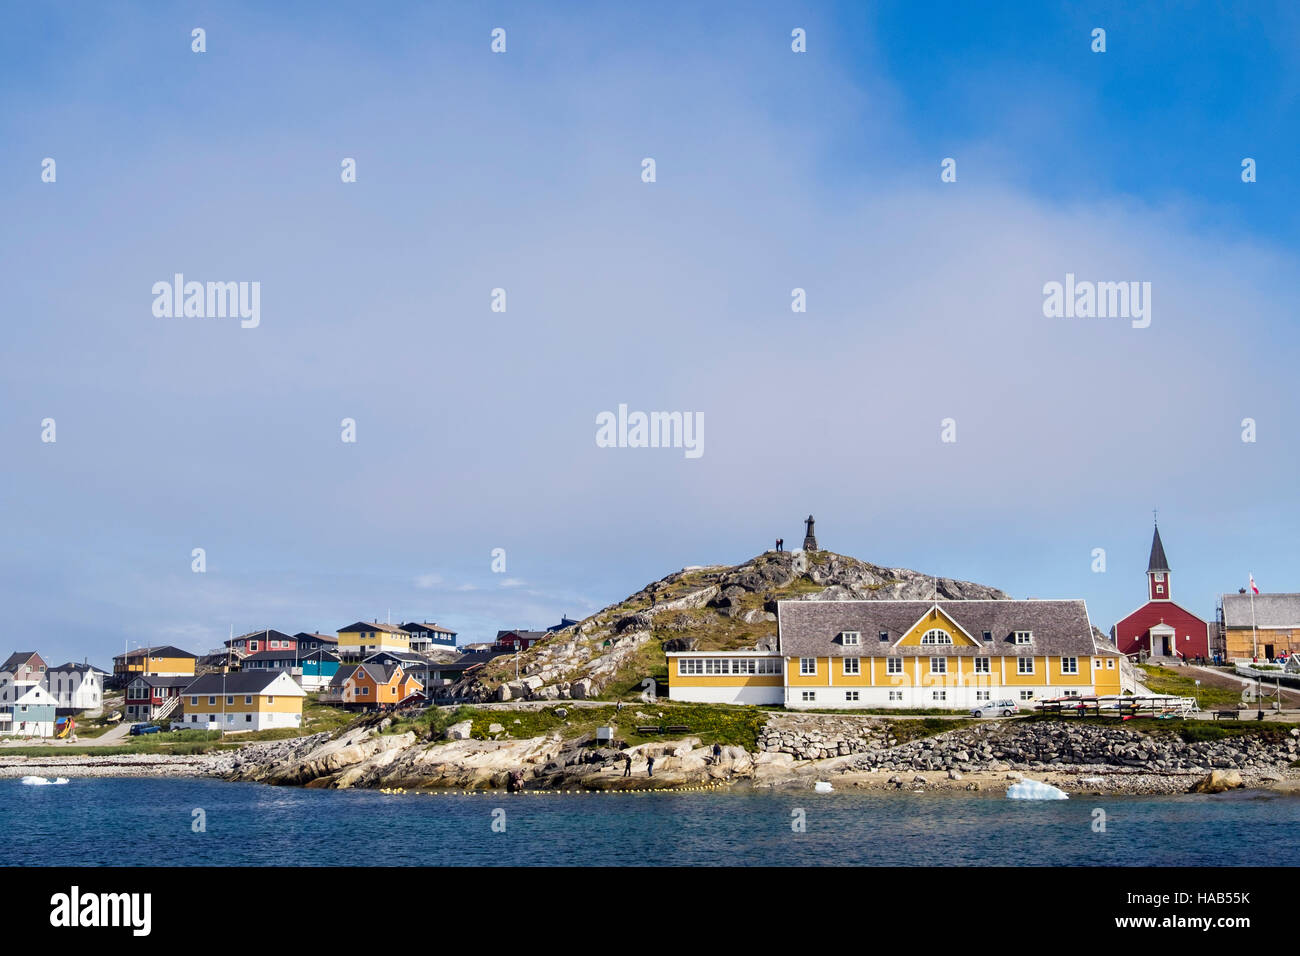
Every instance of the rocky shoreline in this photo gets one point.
(794, 751)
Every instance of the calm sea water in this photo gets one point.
(149, 821)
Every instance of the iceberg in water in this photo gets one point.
(1035, 790)
(822, 786)
(41, 781)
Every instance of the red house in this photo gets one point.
(1160, 627)
(519, 640)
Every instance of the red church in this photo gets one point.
(1160, 627)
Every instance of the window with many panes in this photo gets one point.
(983, 695)
(1026, 695)
(982, 665)
(1069, 665)
(850, 638)
(894, 665)
(852, 665)
(1024, 637)
(938, 665)
(807, 665)
(939, 695)
(895, 695)
(809, 695)
(1024, 665)
(936, 636)
(851, 695)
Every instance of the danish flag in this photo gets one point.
(1252, 584)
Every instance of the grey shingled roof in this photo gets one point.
(236, 682)
(1271, 610)
(812, 628)
(1157, 561)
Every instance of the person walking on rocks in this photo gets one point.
(717, 753)
(627, 765)
(650, 764)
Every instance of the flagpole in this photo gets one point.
(1254, 633)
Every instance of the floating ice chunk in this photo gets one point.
(1035, 790)
(823, 786)
(41, 781)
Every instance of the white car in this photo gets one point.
(995, 708)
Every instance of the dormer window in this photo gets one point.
(988, 637)
(850, 638)
(936, 636)
(884, 637)
(1024, 637)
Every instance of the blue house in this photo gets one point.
(312, 670)
(31, 714)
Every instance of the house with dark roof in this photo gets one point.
(944, 655)
(162, 661)
(239, 702)
(311, 641)
(152, 697)
(519, 640)
(1161, 628)
(311, 669)
(76, 688)
(426, 636)
(19, 671)
(372, 686)
(565, 621)
(265, 639)
(1260, 626)
(358, 641)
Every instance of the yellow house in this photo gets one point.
(363, 639)
(245, 700)
(949, 655)
(165, 661)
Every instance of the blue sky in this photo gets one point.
(475, 430)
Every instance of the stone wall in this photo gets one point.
(1019, 745)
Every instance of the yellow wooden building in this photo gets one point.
(949, 655)
(165, 661)
(1260, 627)
(364, 638)
(242, 701)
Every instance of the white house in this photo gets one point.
(76, 688)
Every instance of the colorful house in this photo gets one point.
(310, 641)
(267, 639)
(948, 655)
(31, 714)
(379, 685)
(164, 661)
(312, 669)
(425, 636)
(248, 700)
(1260, 626)
(360, 640)
(152, 697)
(519, 640)
(1161, 628)
(18, 673)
